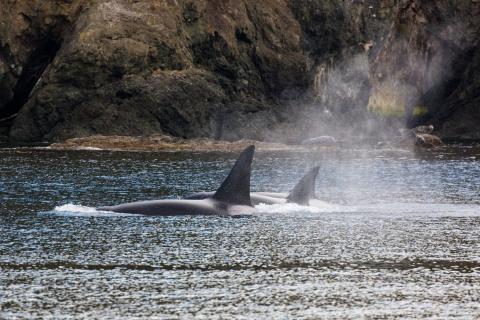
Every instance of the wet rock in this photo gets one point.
(423, 129)
(427, 140)
(420, 136)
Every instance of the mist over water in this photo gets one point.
(395, 234)
(342, 89)
(372, 93)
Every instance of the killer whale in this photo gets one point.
(231, 198)
(301, 194)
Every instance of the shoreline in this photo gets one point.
(163, 143)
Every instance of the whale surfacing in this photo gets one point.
(231, 198)
(301, 194)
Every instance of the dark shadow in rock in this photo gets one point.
(39, 60)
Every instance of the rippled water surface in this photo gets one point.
(398, 236)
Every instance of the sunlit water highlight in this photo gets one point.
(396, 234)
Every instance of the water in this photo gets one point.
(397, 236)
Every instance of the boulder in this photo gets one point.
(427, 140)
(423, 129)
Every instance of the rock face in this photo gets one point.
(428, 68)
(270, 70)
(186, 68)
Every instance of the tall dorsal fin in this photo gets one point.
(305, 188)
(235, 189)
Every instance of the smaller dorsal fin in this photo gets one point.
(235, 189)
(305, 188)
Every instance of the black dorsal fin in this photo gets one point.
(305, 188)
(235, 189)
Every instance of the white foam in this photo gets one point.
(241, 211)
(293, 208)
(70, 209)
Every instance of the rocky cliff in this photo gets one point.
(273, 69)
(428, 69)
